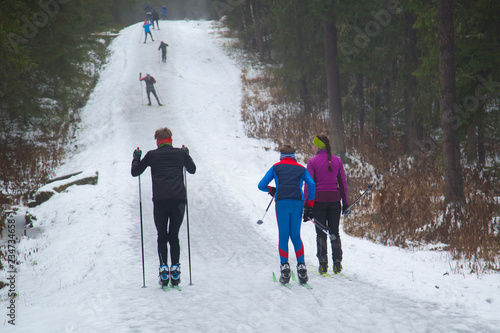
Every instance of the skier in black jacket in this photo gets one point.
(163, 48)
(169, 197)
(155, 17)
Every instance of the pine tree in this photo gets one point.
(451, 149)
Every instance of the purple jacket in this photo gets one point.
(330, 186)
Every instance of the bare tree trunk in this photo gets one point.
(387, 126)
(454, 192)
(471, 143)
(304, 94)
(481, 152)
(333, 82)
(361, 103)
(411, 122)
(255, 10)
(410, 131)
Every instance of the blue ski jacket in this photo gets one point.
(146, 27)
(289, 176)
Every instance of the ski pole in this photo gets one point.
(362, 194)
(142, 235)
(187, 224)
(320, 227)
(158, 93)
(270, 202)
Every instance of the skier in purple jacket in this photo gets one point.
(327, 170)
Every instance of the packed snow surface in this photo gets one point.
(82, 270)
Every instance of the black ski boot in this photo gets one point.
(302, 273)
(285, 273)
(164, 275)
(323, 267)
(337, 267)
(175, 274)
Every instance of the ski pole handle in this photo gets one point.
(261, 220)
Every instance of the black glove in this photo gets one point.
(137, 154)
(272, 191)
(308, 214)
(186, 149)
(346, 210)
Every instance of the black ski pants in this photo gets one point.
(168, 215)
(152, 91)
(328, 214)
(146, 36)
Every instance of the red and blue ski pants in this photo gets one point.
(289, 216)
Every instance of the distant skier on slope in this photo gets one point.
(327, 171)
(150, 87)
(169, 197)
(147, 31)
(289, 176)
(163, 48)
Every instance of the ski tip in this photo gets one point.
(274, 278)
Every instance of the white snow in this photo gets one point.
(83, 271)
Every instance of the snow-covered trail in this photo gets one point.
(86, 274)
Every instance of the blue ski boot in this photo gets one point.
(164, 275)
(175, 274)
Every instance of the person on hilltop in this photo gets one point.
(169, 198)
(328, 173)
(149, 12)
(150, 87)
(289, 177)
(155, 17)
(164, 12)
(163, 47)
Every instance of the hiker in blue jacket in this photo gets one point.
(147, 30)
(289, 177)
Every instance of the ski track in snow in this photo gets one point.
(86, 275)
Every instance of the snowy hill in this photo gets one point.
(83, 272)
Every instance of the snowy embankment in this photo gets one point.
(83, 272)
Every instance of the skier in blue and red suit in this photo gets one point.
(289, 177)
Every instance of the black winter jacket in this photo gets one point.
(167, 171)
